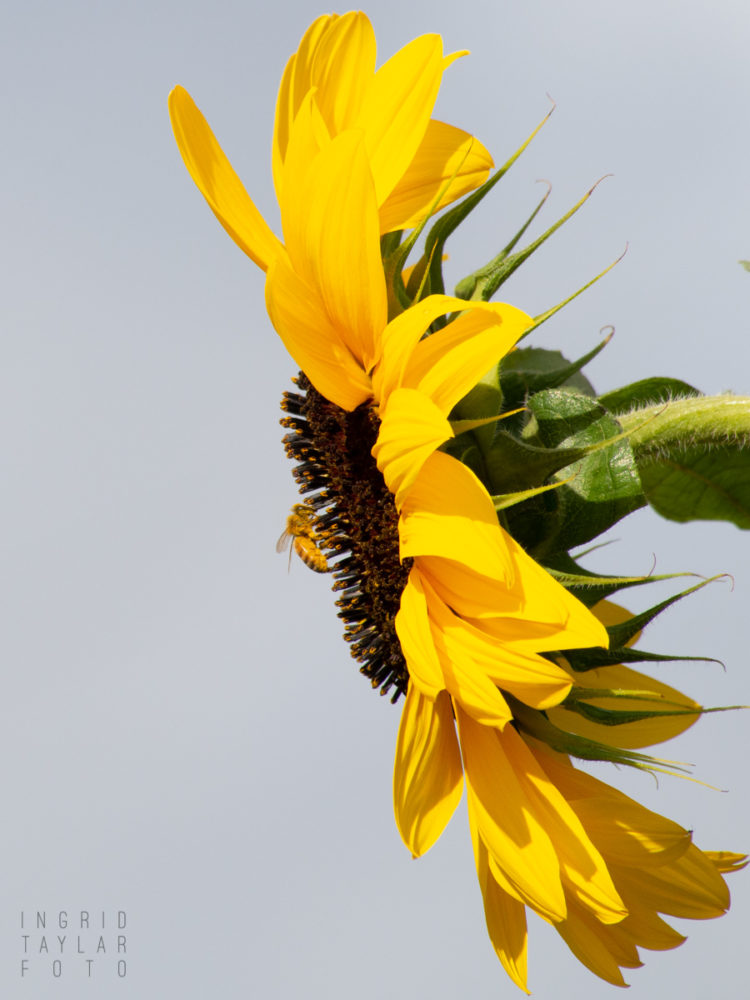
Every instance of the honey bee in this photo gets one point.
(305, 540)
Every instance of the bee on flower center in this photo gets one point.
(305, 540)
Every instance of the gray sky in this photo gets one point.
(185, 737)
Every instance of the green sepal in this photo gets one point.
(505, 500)
(538, 726)
(464, 426)
(605, 487)
(647, 391)
(590, 588)
(625, 632)
(529, 370)
(549, 313)
(450, 220)
(621, 717)
(483, 401)
(394, 253)
(483, 283)
(582, 660)
(473, 285)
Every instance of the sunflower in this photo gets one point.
(440, 603)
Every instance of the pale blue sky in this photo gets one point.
(184, 734)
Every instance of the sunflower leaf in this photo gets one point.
(693, 455)
(605, 484)
(709, 484)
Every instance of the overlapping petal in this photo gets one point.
(336, 60)
(341, 261)
(447, 165)
(506, 821)
(448, 363)
(505, 915)
(428, 776)
(312, 339)
(413, 158)
(411, 429)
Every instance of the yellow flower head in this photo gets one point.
(439, 602)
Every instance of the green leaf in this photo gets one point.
(700, 484)
(513, 465)
(605, 484)
(693, 456)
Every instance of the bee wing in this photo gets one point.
(283, 542)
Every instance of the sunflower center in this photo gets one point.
(356, 523)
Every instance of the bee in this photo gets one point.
(305, 540)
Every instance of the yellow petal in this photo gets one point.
(397, 109)
(584, 870)
(470, 686)
(645, 928)
(415, 636)
(427, 777)
(532, 679)
(343, 70)
(505, 915)
(507, 821)
(308, 334)
(626, 832)
(446, 154)
(337, 257)
(401, 336)
(449, 363)
(411, 428)
(537, 614)
(296, 81)
(448, 513)
(727, 861)
(307, 138)
(593, 945)
(689, 887)
(218, 183)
